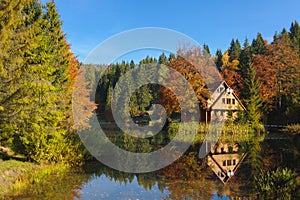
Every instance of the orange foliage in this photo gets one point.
(83, 107)
(278, 72)
(230, 73)
(169, 100)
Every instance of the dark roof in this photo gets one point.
(213, 86)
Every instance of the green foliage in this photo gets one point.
(141, 98)
(206, 50)
(34, 61)
(234, 50)
(218, 59)
(258, 45)
(277, 184)
(254, 104)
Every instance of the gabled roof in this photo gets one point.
(214, 86)
(219, 171)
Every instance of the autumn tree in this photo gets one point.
(83, 107)
(230, 72)
(169, 100)
(278, 71)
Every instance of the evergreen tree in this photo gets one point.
(162, 59)
(16, 33)
(171, 57)
(246, 43)
(244, 66)
(234, 49)
(254, 103)
(218, 59)
(206, 50)
(295, 35)
(39, 77)
(258, 45)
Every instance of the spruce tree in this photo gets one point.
(258, 45)
(162, 59)
(295, 35)
(254, 103)
(218, 59)
(234, 49)
(17, 27)
(35, 62)
(206, 50)
(244, 66)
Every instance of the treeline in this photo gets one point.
(140, 101)
(37, 75)
(266, 75)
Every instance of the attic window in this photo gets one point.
(224, 162)
(223, 100)
(228, 162)
(233, 101)
(228, 101)
(220, 89)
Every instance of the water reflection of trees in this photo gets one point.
(190, 177)
(187, 178)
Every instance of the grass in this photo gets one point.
(11, 171)
(16, 176)
(222, 133)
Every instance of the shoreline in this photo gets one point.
(16, 176)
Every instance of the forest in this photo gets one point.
(38, 72)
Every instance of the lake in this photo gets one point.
(226, 173)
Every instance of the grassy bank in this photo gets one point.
(16, 176)
(220, 132)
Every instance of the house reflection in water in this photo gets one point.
(224, 160)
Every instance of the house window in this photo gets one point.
(228, 101)
(233, 101)
(220, 89)
(222, 150)
(234, 162)
(228, 162)
(223, 100)
(224, 162)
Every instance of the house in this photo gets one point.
(224, 160)
(223, 104)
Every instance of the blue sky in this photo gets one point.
(89, 22)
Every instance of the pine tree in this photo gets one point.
(258, 45)
(295, 35)
(39, 83)
(234, 49)
(162, 59)
(206, 50)
(254, 103)
(246, 43)
(17, 27)
(218, 59)
(244, 66)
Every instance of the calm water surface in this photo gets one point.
(187, 178)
